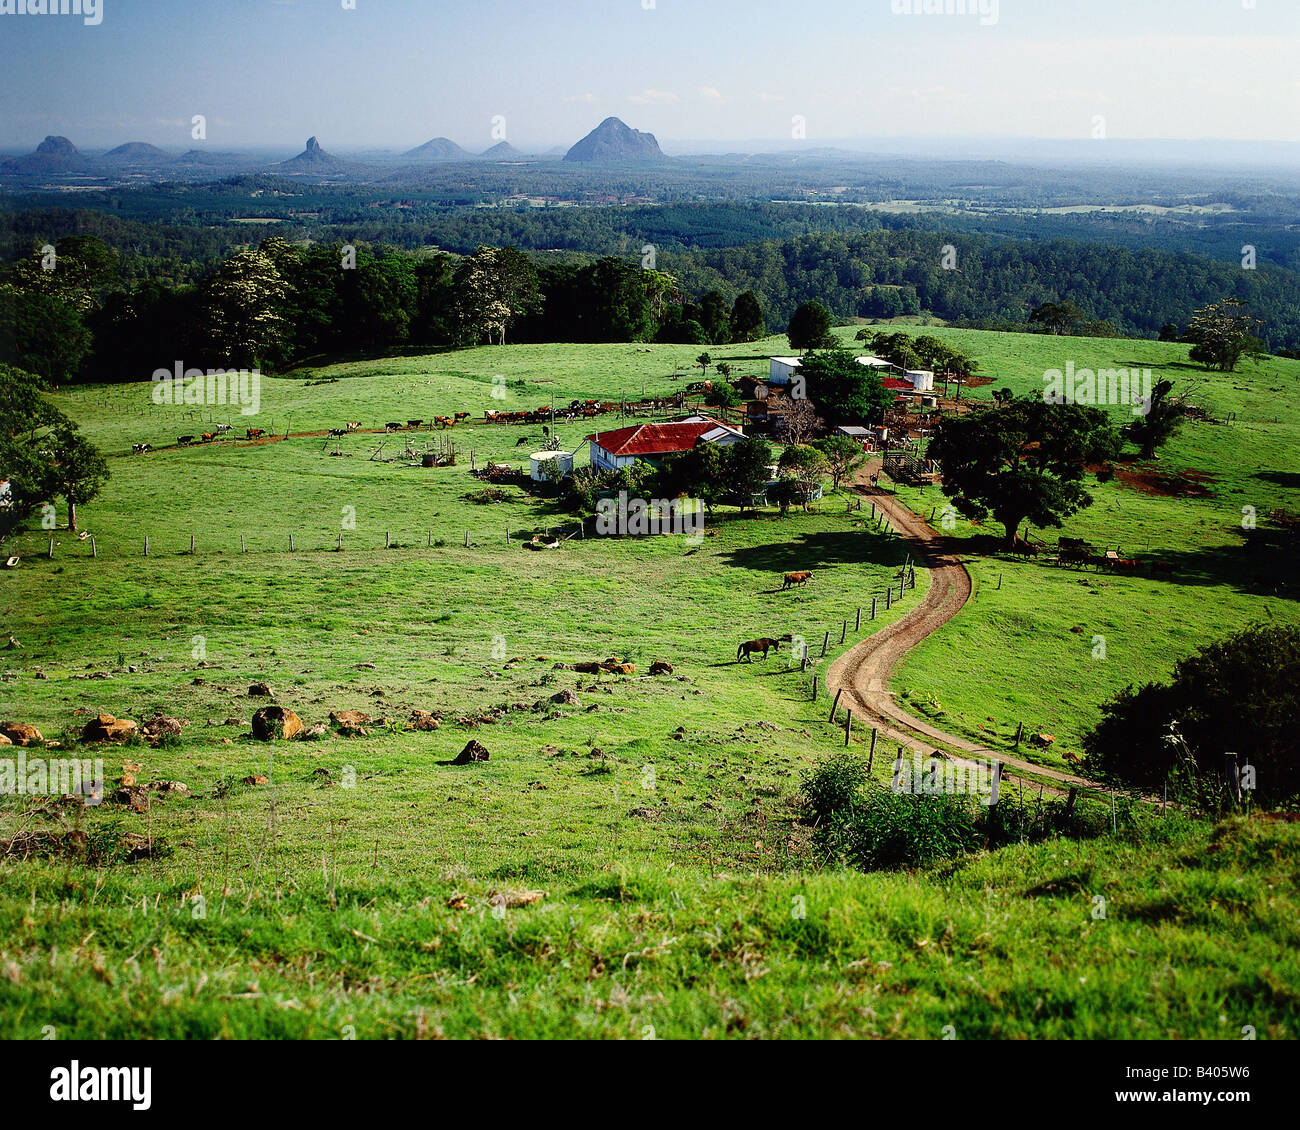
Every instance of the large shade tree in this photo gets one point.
(1027, 460)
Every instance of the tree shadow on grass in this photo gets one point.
(823, 549)
(1288, 479)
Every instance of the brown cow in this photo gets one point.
(208, 437)
(255, 433)
(748, 648)
(796, 579)
(461, 416)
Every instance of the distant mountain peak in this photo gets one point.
(439, 149)
(57, 147)
(615, 142)
(314, 158)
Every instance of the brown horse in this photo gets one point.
(750, 646)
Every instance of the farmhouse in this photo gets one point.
(651, 442)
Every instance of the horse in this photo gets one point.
(750, 646)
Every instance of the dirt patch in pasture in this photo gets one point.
(1187, 483)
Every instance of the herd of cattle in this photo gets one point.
(576, 409)
(1079, 554)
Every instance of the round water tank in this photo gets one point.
(539, 459)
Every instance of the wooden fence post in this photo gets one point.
(857, 626)
(836, 703)
(826, 641)
(94, 549)
(51, 549)
(146, 547)
(291, 543)
(848, 726)
(241, 544)
(814, 687)
(1232, 774)
(340, 541)
(871, 757)
(467, 539)
(388, 540)
(873, 607)
(191, 545)
(889, 598)
(844, 631)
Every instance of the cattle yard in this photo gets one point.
(642, 700)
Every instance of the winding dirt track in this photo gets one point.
(863, 673)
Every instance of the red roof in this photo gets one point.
(653, 439)
(897, 382)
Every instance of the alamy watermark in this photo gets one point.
(1100, 387)
(639, 517)
(38, 776)
(209, 389)
(986, 10)
(91, 11)
(937, 776)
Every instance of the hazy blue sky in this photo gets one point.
(394, 73)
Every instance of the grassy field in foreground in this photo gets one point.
(659, 815)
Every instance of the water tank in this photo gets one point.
(538, 459)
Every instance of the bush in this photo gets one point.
(1240, 695)
(834, 786)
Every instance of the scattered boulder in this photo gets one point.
(565, 697)
(135, 797)
(350, 723)
(314, 733)
(258, 779)
(169, 788)
(260, 690)
(614, 667)
(161, 727)
(661, 667)
(106, 728)
(4, 740)
(473, 751)
(423, 720)
(512, 900)
(275, 722)
(1042, 741)
(20, 733)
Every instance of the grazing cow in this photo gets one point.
(748, 648)
(338, 431)
(521, 441)
(1023, 547)
(140, 448)
(461, 416)
(1073, 758)
(792, 579)
(208, 437)
(184, 441)
(443, 422)
(392, 426)
(255, 433)
(414, 423)
(223, 428)
(353, 425)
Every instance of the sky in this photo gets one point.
(391, 74)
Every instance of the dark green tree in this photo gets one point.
(745, 469)
(844, 391)
(1024, 461)
(810, 328)
(1157, 426)
(1240, 695)
(747, 319)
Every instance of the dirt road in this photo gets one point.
(863, 673)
